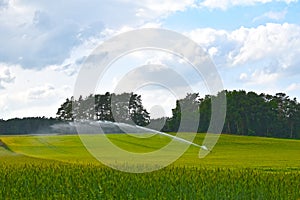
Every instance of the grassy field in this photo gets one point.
(239, 167)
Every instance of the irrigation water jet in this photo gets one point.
(107, 127)
(174, 137)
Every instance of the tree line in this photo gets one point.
(248, 113)
(27, 125)
(125, 107)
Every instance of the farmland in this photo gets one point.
(59, 167)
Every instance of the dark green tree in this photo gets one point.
(126, 107)
(65, 111)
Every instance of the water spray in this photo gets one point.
(174, 137)
(107, 127)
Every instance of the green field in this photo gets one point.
(60, 167)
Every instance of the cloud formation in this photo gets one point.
(276, 43)
(263, 58)
(5, 76)
(226, 4)
(34, 92)
(40, 33)
(273, 15)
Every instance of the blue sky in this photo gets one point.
(234, 17)
(255, 45)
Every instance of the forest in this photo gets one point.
(248, 113)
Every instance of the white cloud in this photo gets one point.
(156, 8)
(3, 4)
(41, 92)
(34, 93)
(243, 76)
(225, 4)
(35, 33)
(208, 36)
(275, 41)
(5, 76)
(218, 43)
(264, 58)
(153, 74)
(213, 51)
(293, 87)
(158, 98)
(273, 15)
(271, 43)
(259, 77)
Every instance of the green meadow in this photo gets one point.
(60, 167)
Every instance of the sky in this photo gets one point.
(254, 44)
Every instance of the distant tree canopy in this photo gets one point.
(248, 113)
(126, 108)
(28, 125)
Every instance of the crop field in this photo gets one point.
(60, 167)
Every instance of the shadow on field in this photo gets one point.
(3, 145)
